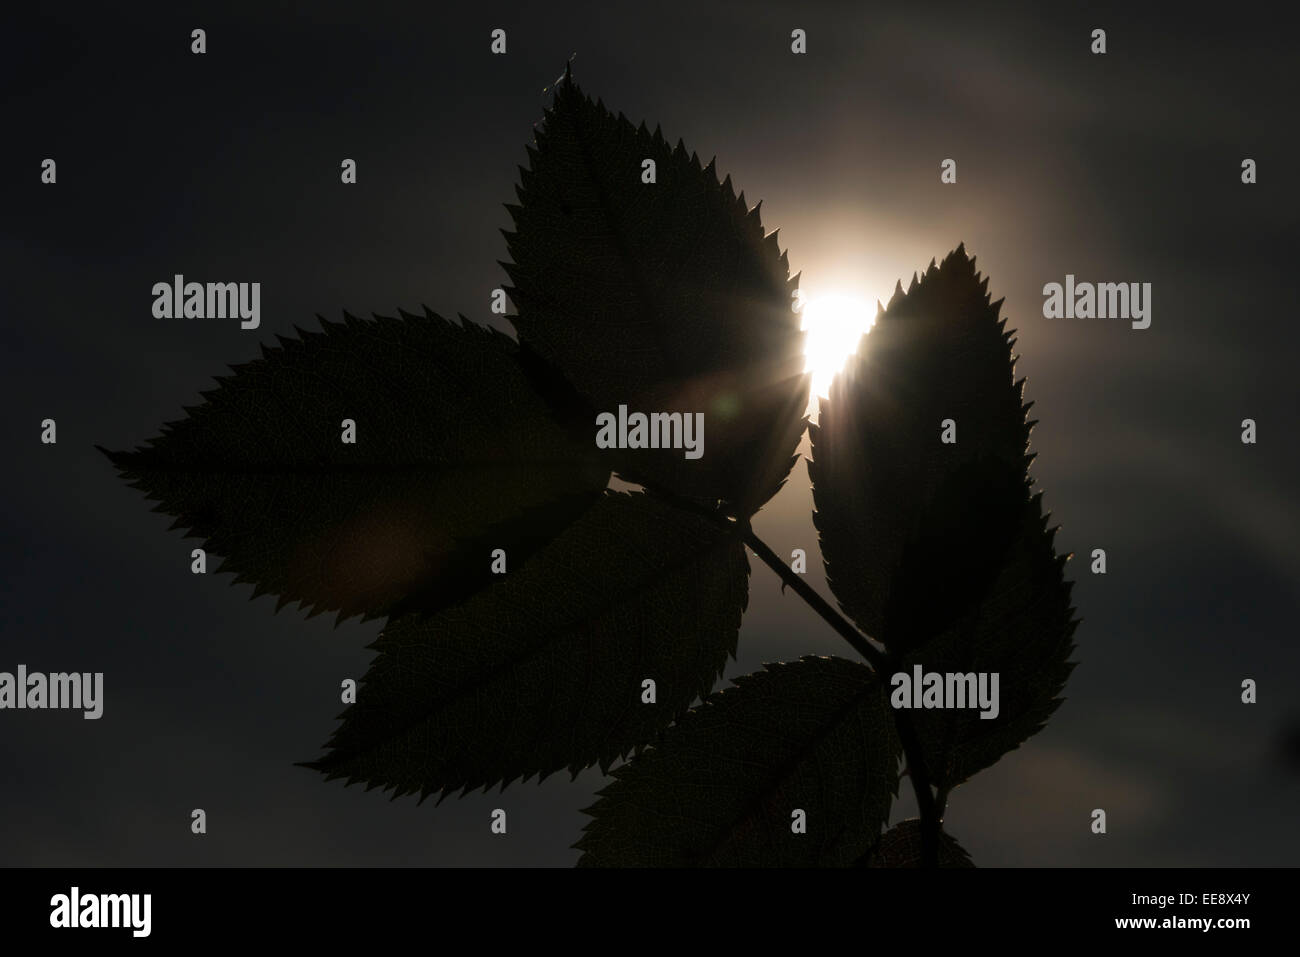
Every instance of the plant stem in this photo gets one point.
(817, 602)
(921, 787)
(884, 665)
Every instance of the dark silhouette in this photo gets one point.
(537, 621)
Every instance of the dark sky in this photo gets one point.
(1123, 167)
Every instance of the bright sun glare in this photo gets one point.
(834, 324)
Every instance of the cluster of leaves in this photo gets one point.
(664, 297)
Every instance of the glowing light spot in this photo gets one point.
(834, 324)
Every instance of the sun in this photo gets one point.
(834, 324)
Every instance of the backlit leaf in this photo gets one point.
(456, 454)
(661, 297)
(720, 789)
(546, 670)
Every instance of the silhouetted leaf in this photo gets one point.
(664, 297)
(900, 846)
(953, 552)
(545, 670)
(455, 455)
(912, 529)
(721, 786)
(939, 550)
(1021, 630)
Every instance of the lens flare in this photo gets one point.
(833, 324)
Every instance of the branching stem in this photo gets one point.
(885, 665)
(866, 649)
